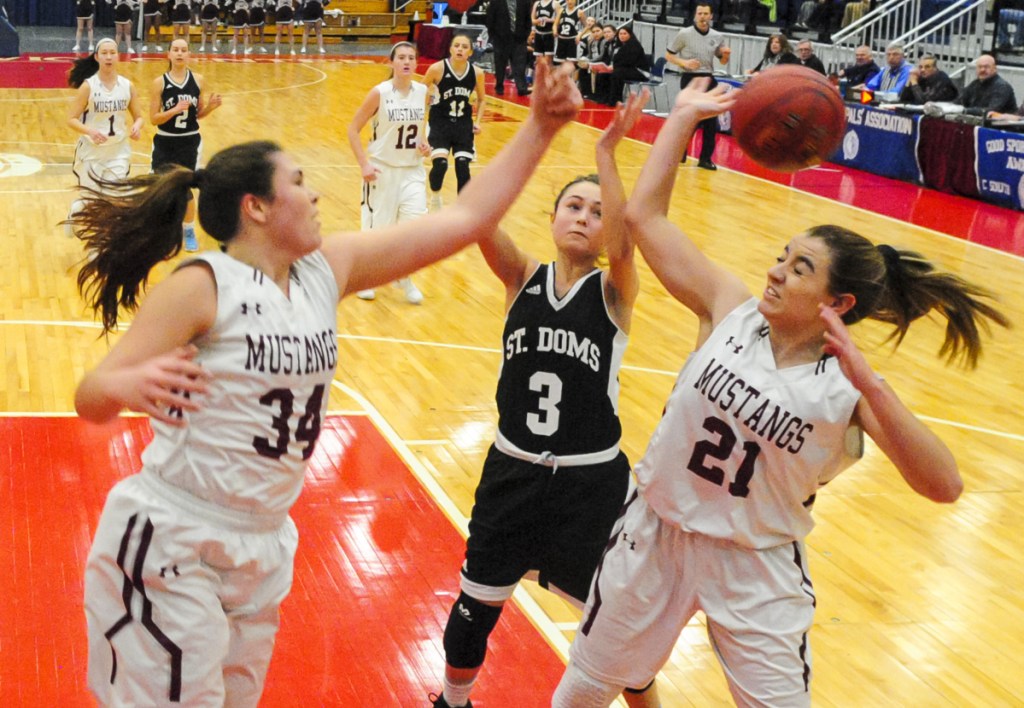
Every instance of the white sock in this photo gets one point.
(457, 694)
(577, 689)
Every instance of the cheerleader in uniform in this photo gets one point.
(151, 21)
(208, 21)
(123, 22)
(257, 20)
(181, 18)
(85, 13)
(284, 20)
(240, 25)
(313, 18)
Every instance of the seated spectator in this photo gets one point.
(854, 11)
(805, 53)
(996, 115)
(862, 68)
(629, 62)
(894, 76)
(927, 83)
(987, 95)
(776, 51)
(590, 50)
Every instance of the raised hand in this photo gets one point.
(839, 344)
(556, 99)
(625, 118)
(705, 103)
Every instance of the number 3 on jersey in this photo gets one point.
(550, 387)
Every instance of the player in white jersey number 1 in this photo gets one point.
(232, 356)
(394, 181)
(757, 422)
(103, 104)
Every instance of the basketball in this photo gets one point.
(788, 118)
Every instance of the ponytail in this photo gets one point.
(81, 70)
(132, 225)
(898, 287)
(129, 228)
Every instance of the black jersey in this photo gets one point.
(558, 391)
(569, 25)
(545, 11)
(186, 123)
(454, 91)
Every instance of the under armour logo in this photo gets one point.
(763, 332)
(466, 614)
(735, 347)
(627, 540)
(534, 290)
(173, 569)
(256, 308)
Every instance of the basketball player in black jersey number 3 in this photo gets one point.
(193, 555)
(555, 479)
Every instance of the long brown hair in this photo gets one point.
(897, 287)
(133, 225)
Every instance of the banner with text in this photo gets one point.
(881, 142)
(1001, 167)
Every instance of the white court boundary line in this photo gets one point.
(544, 624)
(488, 350)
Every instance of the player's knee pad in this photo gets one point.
(465, 637)
(437, 172)
(462, 171)
(578, 689)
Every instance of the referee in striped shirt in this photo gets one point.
(691, 53)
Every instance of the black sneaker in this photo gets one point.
(707, 165)
(440, 702)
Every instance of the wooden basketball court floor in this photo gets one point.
(918, 604)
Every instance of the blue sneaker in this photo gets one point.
(191, 242)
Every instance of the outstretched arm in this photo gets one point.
(924, 461)
(622, 284)
(365, 260)
(691, 277)
(512, 266)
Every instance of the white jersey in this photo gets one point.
(743, 447)
(397, 125)
(107, 110)
(271, 360)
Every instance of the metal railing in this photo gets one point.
(955, 34)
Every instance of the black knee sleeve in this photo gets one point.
(640, 690)
(465, 636)
(437, 173)
(461, 171)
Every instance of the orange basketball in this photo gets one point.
(788, 117)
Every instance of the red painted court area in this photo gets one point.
(375, 574)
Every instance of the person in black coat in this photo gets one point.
(805, 53)
(509, 40)
(777, 50)
(629, 63)
(927, 83)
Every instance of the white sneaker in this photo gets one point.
(145, 47)
(293, 52)
(366, 294)
(232, 52)
(263, 50)
(91, 46)
(202, 47)
(413, 296)
(158, 47)
(248, 50)
(75, 48)
(322, 50)
(130, 50)
(277, 52)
